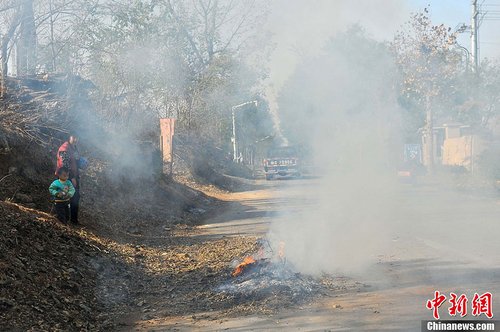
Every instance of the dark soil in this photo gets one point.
(47, 280)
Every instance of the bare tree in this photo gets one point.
(217, 35)
(61, 25)
(26, 45)
(12, 15)
(148, 58)
(429, 63)
(214, 27)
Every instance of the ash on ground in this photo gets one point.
(273, 284)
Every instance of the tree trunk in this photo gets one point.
(52, 39)
(26, 46)
(4, 49)
(429, 133)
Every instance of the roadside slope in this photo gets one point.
(47, 280)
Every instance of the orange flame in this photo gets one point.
(239, 269)
(281, 250)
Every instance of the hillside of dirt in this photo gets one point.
(136, 236)
(55, 277)
(137, 254)
(47, 276)
(122, 184)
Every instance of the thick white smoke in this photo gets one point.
(301, 28)
(339, 99)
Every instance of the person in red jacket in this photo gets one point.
(68, 157)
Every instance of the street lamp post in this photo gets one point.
(233, 139)
(467, 56)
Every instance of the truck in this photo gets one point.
(282, 162)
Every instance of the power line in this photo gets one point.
(489, 11)
(480, 12)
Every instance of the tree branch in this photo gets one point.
(185, 32)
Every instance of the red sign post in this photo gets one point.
(167, 142)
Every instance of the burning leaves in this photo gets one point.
(281, 251)
(269, 286)
(263, 257)
(248, 261)
(268, 279)
(251, 261)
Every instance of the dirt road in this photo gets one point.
(441, 240)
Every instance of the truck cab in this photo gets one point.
(282, 162)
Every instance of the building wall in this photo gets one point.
(462, 151)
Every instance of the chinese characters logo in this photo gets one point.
(480, 304)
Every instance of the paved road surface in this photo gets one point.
(440, 240)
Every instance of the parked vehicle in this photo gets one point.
(282, 162)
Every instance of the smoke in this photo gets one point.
(270, 95)
(337, 97)
(118, 122)
(141, 71)
(300, 29)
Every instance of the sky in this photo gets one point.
(454, 12)
(302, 27)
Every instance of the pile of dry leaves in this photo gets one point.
(47, 280)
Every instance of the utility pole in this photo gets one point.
(474, 36)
